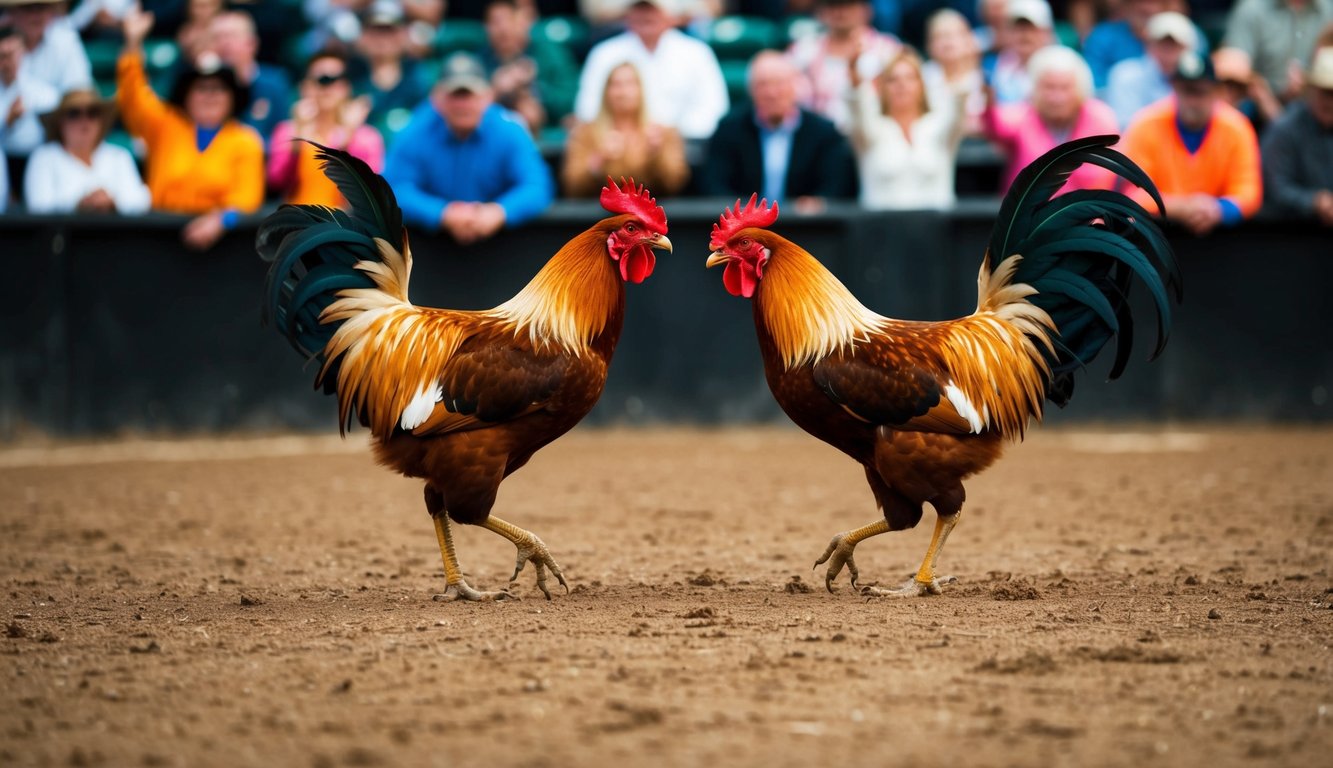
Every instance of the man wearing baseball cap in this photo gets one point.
(1135, 83)
(1298, 149)
(1201, 152)
(464, 164)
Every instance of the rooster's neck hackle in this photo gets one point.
(571, 301)
(808, 312)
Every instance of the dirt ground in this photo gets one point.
(1131, 598)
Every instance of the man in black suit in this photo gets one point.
(774, 147)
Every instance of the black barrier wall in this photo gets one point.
(110, 326)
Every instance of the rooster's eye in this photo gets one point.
(630, 228)
(746, 243)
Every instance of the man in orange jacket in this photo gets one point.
(1200, 151)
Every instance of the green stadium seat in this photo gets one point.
(740, 37)
(797, 27)
(1066, 35)
(102, 55)
(733, 72)
(569, 31)
(460, 35)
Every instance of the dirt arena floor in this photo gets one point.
(1125, 598)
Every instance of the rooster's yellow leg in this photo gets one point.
(457, 588)
(839, 552)
(530, 548)
(925, 582)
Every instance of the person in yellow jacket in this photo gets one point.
(201, 159)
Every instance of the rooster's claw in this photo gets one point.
(838, 554)
(533, 549)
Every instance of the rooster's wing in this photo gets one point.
(487, 384)
(901, 387)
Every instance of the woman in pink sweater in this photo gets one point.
(1061, 108)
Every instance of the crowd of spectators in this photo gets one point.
(481, 112)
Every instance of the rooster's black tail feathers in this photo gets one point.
(314, 250)
(1082, 251)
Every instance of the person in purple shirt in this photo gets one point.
(463, 164)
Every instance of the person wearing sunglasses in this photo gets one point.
(202, 160)
(327, 114)
(76, 170)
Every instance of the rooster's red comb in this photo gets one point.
(629, 198)
(753, 214)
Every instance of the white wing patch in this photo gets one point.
(976, 420)
(421, 406)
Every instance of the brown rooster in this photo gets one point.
(459, 399)
(924, 405)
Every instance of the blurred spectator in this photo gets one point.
(231, 35)
(1280, 37)
(1298, 149)
(326, 114)
(1115, 40)
(905, 146)
(99, 14)
(464, 164)
(1243, 89)
(55, 53)
(1061, 108)
(623, 141)
(337, 23)
(777, 148)
(682, 79)
(393, 80)
(1201, 152)
(954, 67)
(823, 59)
(534, 77)
(202, 159)
(1135, 83)
(76, 170)
(192, 36)
(22, 98)
(991, 25)
(1028, 31)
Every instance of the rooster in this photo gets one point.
(459, 399)
(924, 405)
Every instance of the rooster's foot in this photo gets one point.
(838, 554)
(461, 591)
(911, 588)
(533, 549)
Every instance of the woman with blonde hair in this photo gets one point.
(622, 141)
(905, 149)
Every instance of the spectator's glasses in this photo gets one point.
(324, 81)
(84, 113)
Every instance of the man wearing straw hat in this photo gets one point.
(1298, 148)
(76, 170)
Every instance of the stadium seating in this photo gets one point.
(740, 37)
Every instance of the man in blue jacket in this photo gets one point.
(464, 164)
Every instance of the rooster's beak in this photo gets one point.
(662, 242)
(716, 258)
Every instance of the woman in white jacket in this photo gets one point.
(76, 170)
(905, 149)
